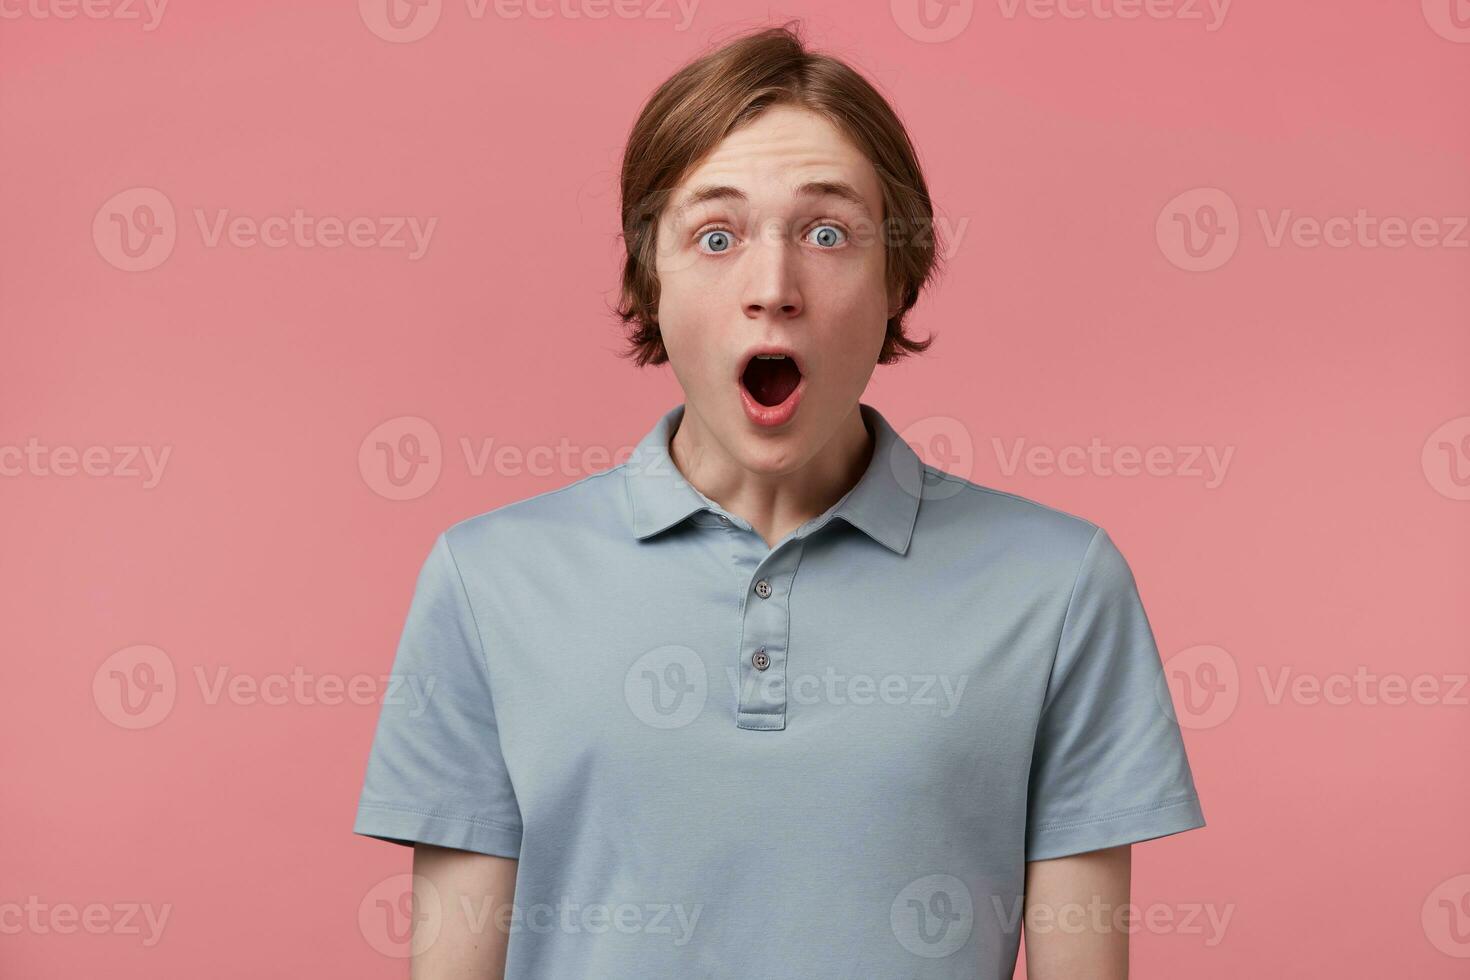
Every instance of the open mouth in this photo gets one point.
(771, 378)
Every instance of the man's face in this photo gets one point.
(772, 241)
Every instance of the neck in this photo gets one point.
(780, 489)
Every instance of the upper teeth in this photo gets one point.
(770, 357)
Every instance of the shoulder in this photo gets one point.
(949, 498)
(1003, 525)
(584, 508)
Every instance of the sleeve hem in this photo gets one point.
(407, 827)
(1061, 840)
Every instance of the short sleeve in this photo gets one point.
(436, 773)
(1108, 765)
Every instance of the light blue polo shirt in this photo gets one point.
(827, 760)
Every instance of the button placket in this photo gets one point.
(765, 628)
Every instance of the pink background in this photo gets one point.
(1335, 376)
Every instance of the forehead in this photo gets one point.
(776, 153)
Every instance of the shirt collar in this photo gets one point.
(883, 503)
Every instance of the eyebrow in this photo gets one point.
(814, 188)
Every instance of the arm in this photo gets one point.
(474, 892)
(1074, 916)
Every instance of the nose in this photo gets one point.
(772, 285)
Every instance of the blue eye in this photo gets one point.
(715, 240)
(828, 236)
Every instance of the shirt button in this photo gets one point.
(763, 589)
(760, 659)
(724, 519)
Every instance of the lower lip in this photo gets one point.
(770, 416)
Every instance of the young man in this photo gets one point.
(773, 698)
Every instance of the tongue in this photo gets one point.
(771, 382)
